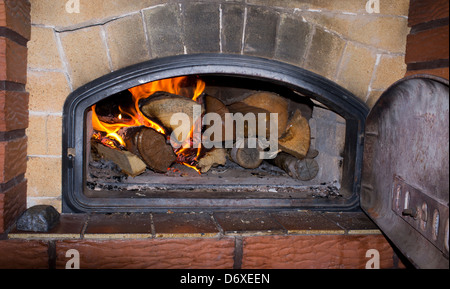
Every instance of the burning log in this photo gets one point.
(245, 155)
(213, 105)
(304, 169)
(151, 147)
(163, 106)
(213, 158)
(128, 162)
(296, 141)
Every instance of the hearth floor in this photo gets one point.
(204, 225)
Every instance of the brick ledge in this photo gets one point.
(203, 225)
(219, 240)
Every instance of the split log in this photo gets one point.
(312, 153)
(245, 156)
(128, 162)
(304, 170)
(250, 130)
(215, 157)
(300, 103)
(163, 105)
(152, 148)
(213, 105)
(273, 103)
(297, 139)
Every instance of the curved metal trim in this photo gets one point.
(315, 86)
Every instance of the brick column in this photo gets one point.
(427, 47)
(15, 30)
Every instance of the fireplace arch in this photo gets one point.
(316, 87)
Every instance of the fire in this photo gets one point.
(110, 129)
(133, 117)
(170, 85)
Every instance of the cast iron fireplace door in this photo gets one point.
(405, 181)
(318, 88)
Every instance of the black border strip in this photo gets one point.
(13, 35)
(308, 83)
(12, 183)
(10, 135)
(438, 63)
(429, 25)
(11, 86)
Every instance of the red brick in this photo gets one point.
(19, 254)
(428, 45)
(13, 159)
(149, 253)
(13, 61)
(427, 10)
(314, 252)
(12, 203)
(15, 15)
(13, 110)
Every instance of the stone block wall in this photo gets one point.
(339, 40)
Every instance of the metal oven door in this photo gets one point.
(405, 177)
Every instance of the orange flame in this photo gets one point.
(171, 85)
(192, 167)
(199, 89)
(134, 117)
(110, 129)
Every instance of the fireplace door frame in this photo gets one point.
(333, 96)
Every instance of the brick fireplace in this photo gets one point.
(46, 53)
(334, 42)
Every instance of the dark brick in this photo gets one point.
(101, 224)
(237, 223)
(351, 220)
(202, 27)
(164, 30)
(261, 32)
(232, 28)
(306, 221)
(292, 39)
(180, 225)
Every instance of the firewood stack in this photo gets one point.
(146, 148)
